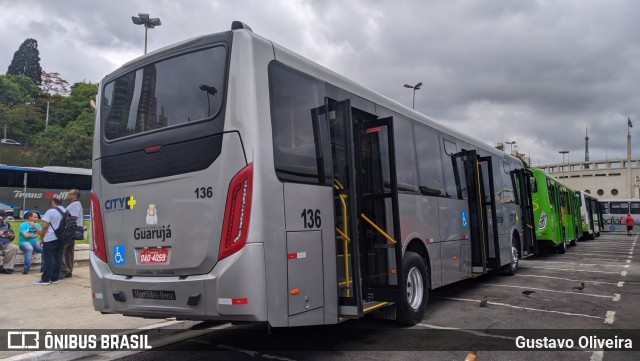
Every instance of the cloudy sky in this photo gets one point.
(537, 72)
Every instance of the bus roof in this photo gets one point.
(50, 169)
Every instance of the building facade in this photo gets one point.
(615, 178)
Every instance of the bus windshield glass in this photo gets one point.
(182, 89)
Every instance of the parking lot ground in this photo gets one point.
(607, 305)
(557, 306)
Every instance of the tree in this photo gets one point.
(69, 139)
(16, 90)
(52, 83)
(19, 113)
(26, 61)
(66, 109)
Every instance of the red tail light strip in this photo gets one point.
(237, 213)
(99, 246)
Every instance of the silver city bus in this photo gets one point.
(235, 180)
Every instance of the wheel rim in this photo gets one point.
(415, 288)
(514, 258)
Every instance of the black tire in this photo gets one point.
(416, 288)
(562, 248)
(512, 268)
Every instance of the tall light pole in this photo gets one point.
(143, 19)
(414, 87)
(563, 152)
(511, 146)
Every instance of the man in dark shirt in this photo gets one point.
(10, 249)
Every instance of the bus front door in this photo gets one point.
(485, 250)
(369, 248)
(521, 179)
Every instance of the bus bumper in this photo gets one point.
(234, 290)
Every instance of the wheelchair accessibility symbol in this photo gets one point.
(118, 255)
(465, 219)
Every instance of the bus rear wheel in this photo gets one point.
(562, 247)
(416, 286)
(512, 268)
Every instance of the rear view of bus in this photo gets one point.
(172, 190)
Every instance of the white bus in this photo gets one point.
(25, 189)
(614, 212)
(236, 180)
(590, 215)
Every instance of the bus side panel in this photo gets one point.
(309, 209)
(451, 234)
(420, 215)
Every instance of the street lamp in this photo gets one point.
(143, 19)
(414, 87)
(563, 152)
(209, 91)
(511, 146)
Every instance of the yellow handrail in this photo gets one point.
(343, 234)
(388, 237)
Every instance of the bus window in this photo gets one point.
(498, 184)
(163, 94)
(604, 206)
(534, 184)
(295, 103)
(406, 168)
(450, 149)
(10, 178)
(507, 191)
(619, 208)
(429, 165)
(635, 207)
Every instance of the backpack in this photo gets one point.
(66, 228)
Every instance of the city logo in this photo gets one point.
(21, 340)
(120, 204)
(152, 215)
(152, 230)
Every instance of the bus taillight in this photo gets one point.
(237, 213)
(99, 248)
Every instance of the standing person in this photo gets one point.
(629, 221)
(10, 249)
(52, 248)
(28, 233)
(75, 209)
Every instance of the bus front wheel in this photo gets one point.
(416, 286)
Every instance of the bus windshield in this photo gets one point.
(182, 89)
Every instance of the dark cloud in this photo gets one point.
(537, 72)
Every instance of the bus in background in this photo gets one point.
(614, 212)
(235, 180)
(17, 197)
(590, 216)
(557, 211)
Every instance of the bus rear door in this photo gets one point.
(369, 248)
(521, 179)
(485, 248)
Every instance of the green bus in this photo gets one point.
(556, 211)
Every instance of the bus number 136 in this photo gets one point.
(311, 218)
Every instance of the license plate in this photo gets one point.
(154, 294)
(153, 256)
